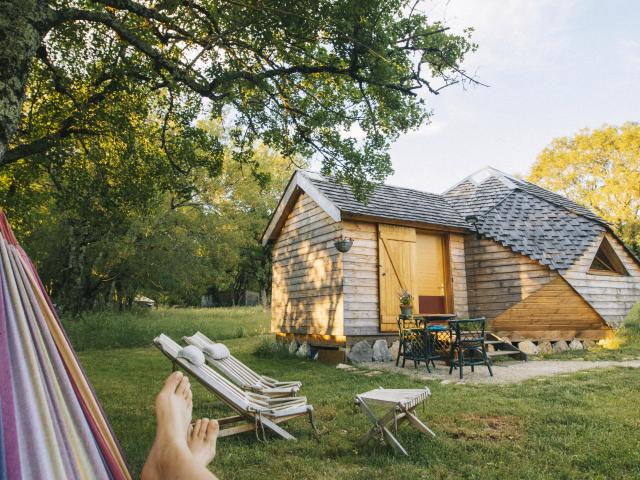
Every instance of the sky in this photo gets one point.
(553, 68)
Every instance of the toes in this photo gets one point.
(190, 431)
(173, 380)
(183, 386)
(212, 429)
(196, 427)
(203, 428)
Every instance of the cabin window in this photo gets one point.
(606, 261)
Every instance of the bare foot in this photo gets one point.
(173, 411)
(202, 439)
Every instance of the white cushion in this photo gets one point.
(192, 354)
(217, 351)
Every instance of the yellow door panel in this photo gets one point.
(430, 272)
(396, 253)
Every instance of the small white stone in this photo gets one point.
(395, 348)
(360, 352)
(545, 347)
(304, 350)
(381, 352)
(575, 345)
(528, 347)
(560, 346)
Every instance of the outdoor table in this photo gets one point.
(401, 404)
(436, 336)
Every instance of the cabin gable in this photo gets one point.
(307, 273)
(611, 295)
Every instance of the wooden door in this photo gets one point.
(429, 282)
(396, 255)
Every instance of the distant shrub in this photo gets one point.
(269, 348)
(239, 333)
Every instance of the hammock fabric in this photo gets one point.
(52, 424)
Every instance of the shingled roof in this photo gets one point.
(530, 220)
(524, 217)
(394, 203)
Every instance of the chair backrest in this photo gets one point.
(406, 323)
(223, 388)
(469, 331)
(230, 366)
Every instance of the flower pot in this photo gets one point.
(406, 311)
(343, 245)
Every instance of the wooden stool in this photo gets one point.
(401, 402)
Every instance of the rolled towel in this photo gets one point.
(192, 354)
(217, 351)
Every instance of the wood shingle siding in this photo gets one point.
(360, 269)
(610, 295)
(509, 279)
(458, 275)
(307, 285)
(523, 299)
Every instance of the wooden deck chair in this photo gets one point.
(400, 404)
(218, 356)
(254, 411)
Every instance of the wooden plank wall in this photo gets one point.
(524, 299)
(459, 275)
(360, 267)
(554, 312)
(612, 296)
(498, 278)
(307, 286)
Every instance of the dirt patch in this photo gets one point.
(484, 427)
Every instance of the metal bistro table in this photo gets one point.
(429, 340)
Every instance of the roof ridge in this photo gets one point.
(591, 217)
(324, 178)
(511, 192)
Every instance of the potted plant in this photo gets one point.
(342, 243)
(406, 303)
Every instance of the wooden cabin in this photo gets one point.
(537, 265)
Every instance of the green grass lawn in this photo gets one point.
(584, 425)
(138, 329)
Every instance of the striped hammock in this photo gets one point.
(52, 424)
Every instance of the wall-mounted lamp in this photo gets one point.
(473, 220)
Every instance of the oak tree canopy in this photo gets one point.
(299, 75)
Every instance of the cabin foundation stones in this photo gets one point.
(381, 352)
(545, 347)
(366, 351)
(361, 352)
(528, 347)
(560, 346)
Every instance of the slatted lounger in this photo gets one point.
(401, 403)
(254, 411)
(238, 372)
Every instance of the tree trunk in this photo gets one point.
(23, 25)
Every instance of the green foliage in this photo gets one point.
(601, 170)
(297, 76)
(101, 233)
(138, 328)
(270, 348)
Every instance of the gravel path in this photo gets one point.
(503, 372)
